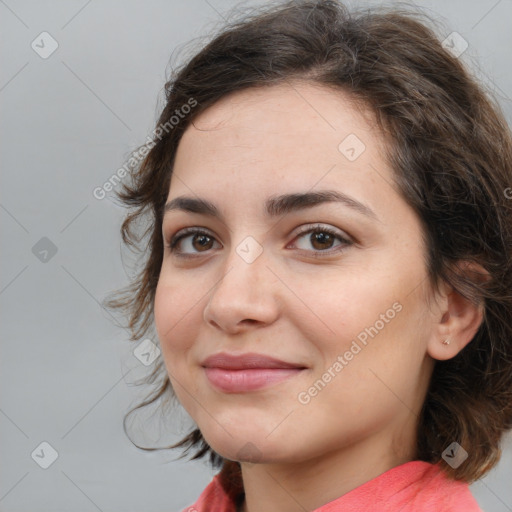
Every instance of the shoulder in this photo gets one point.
(214, 497)
(415, 486)
(427, 488)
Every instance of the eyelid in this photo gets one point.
(318, 226)
(345, 239)
(182, 233)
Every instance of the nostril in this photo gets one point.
(250, 321)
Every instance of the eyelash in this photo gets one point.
(171, 245)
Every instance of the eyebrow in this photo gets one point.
(275, 205)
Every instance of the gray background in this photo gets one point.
(67, 124)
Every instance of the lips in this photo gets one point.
(247, 372)
(246, 361)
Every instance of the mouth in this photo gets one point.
(247, 372)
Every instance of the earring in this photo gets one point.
(446, 341)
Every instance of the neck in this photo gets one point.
(308, 485)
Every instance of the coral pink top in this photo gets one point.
(415, 486)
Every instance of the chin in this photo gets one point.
(250, 448)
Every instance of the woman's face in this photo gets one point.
(335, 288)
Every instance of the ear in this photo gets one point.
(456, 319)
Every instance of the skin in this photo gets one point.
(249, 146)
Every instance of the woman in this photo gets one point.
(328, 263)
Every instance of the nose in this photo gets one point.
(245, 296)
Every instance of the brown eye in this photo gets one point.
(191, 242)
(201, 241)
(321, 239)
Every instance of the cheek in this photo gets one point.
(375, 317)
(176, 329)
(342, 305)
(173, 311)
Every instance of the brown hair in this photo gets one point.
(451, 152)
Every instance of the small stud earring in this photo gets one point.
(446, 341)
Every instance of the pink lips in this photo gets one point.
(247, 372)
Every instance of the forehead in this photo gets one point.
(286, 109)
(293, 123)
(278, 139)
